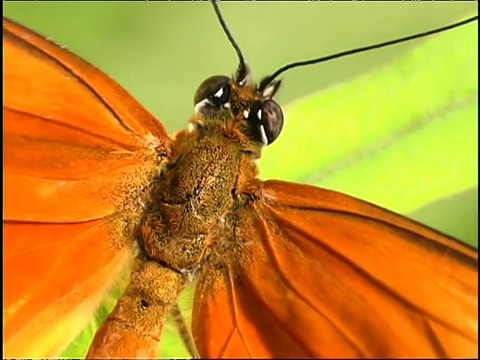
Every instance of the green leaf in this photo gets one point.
(401, 137)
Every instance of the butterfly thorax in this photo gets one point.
(190, 208)
(190, 205)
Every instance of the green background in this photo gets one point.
(161, 51)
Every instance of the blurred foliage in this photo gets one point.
(401, 137)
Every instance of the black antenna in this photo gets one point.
(265, 82)
(242, 71)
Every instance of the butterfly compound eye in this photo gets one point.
(213, 93)
(266, 121)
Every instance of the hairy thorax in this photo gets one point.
(190, 205)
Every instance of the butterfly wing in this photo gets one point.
(78, 151)
(322, 274)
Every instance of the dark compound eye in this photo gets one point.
(266, 121)
(213, 92)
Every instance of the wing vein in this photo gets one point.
(381, 286)
(33, 49)
(269, 248)
(105, 139)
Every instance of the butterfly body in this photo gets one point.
(191, 228)
(207, 170)
(282, 269)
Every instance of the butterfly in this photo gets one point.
(122, 169)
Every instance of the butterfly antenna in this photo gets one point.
(268, 80)
(243, 70)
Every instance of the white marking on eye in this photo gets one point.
(191, 127)
(200, 105)
(219, 93)
(246, 114)
(263, 135)
(227, 105)
(259, 114)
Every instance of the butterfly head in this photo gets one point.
(239, 101)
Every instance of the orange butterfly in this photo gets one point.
(268, 255)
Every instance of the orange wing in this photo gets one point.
(78, 151)
(334, 276)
